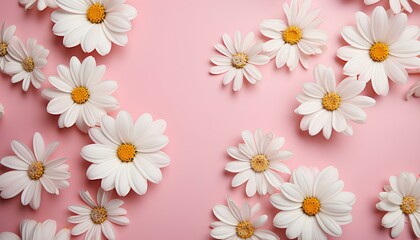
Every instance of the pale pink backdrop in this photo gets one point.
(164, 71)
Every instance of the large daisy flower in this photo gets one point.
(296, 39)
(33, 230)
(240, 223)
(325, 106)
(93, 24)
(397, 6)
(239, 60)
(381, 47)
(33, 171)
(257, 160)
(7, 35)
(313, 205)
(80, 96)
(42, 4)
(401, 201)
(98, 216)
(127, 154)
(25, 63)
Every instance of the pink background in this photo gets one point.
(164, 71)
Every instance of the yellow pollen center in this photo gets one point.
(96, 13)
(331, 101)
(36, 170)
(292, 35)
(239, 60)
(98, 215)
(80, 95)
(3, 49)
(126, 152)
(408, 205)
(379, 52)
(28, 64)
(245, 230)
(259, 163)
(311, 206)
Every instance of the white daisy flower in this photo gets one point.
(239, 60)
(80, 97)
(401, 201)
(9, 236)
(93, 24)
(33, 171)
(325, 106)
(257, 161)
(127, 154)
(98, 216)
(297, 39)
(397, 6)
(33, 230)
(1, 110)
(381, 47)
(240, 223)
(42, 4)
(7, 35)
(25, 63)
(313, 205)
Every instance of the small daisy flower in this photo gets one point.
(93, 24)
(1, 110)
(98, 216)
(33, 230)
(296, 39)
(127, 154)
(240, 223)
(7, 35)
(397, 6)
(313, 205)
(401, 201)
(256, 161)
(80, 96)
(239, 59)
(33, 171)
(381, 47)
(325, 106)
(42, 4)
(26, 63)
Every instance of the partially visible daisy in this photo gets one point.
(42, 4)
(313, 205)
(381, 47)
(80, 96)
(239, 60)
(9, 236)
(325, 106)
(397, 6)
(257, 160)
(7, 35)
(1, 110)
(98, 216)
(33, 171)
(33, 230)
(26, 63)
(240, 223)
(401, 201)
(93, 24)
(296, 39)
(127, 154)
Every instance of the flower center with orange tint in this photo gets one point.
(311, 206)
(126, 152)
(408, 205)
(239, 60)
(292, 35)
(331, 101)
(259, 163)
(28, 64)
(3, 49)
(80, 95)
(96, 13)
(245, 230)
(98, 215)
(36, 170)
(379, 52)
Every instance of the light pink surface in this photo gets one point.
(164, 71)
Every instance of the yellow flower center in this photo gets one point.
(311, 206)
(28, 64)
(245, 230)
(259, 163)
(408, 205)
(3, 49)
(126, 152)
(292, 35)
(98, 215)
(36, 170)
(239, 60)
(331, 101)
(80, 95)
(379, 52)
(96, 13)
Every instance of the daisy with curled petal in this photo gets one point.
(42, 4)
(313, 205)
(7, 35)
(325, 106)
(80, 97)
(381, 47)
(297, 39)
(26, 63)
(33, 230)
(397, 6)
(239, 60)
(127, 154)
(401, 201)
(93, 24)
(98, 216)
(257, 160)
(239, 223)
(33, 171)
